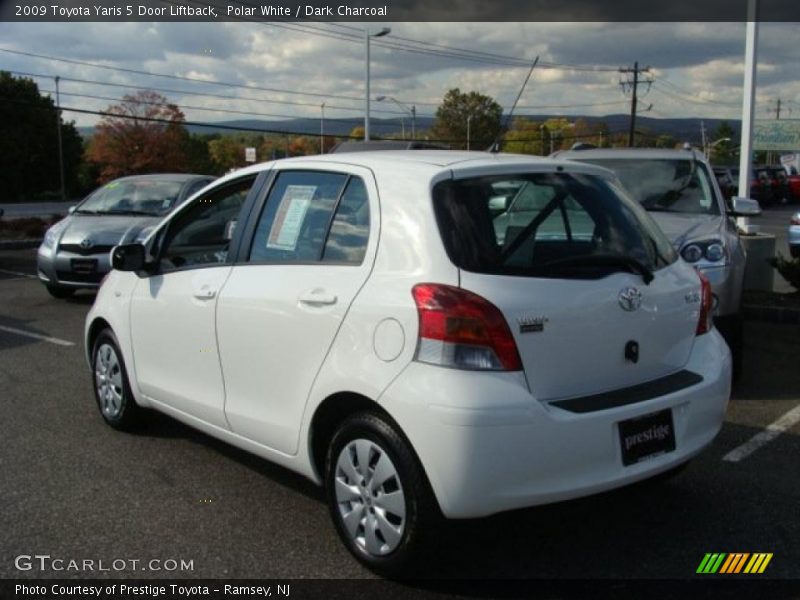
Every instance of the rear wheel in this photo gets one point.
(59, 291)
(379, 498)
(111, 388)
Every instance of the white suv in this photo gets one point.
(360, 319)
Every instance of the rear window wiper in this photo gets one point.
(602, 260)
(80, 211)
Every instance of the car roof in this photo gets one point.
(430, 160)
(629, 154)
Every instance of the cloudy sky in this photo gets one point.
(696, 68)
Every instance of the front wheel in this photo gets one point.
(379, 498)
(111, 388)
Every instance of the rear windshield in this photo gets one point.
(546, 224)
(665, 185)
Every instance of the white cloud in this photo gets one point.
(701, 64)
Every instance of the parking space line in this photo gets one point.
(37, 336)
(18, 274)
(762, 438)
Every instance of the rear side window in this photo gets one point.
(313, 217)
(544, 225)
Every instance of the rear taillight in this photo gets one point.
(704, 323)
(795, 220)
(460, 329)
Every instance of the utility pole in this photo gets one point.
(60, 145)
(634, 85)
(777, 111)
(322, 130)
(703, 137)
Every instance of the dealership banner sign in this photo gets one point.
(776, 135)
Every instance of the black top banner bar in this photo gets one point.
(395, 10)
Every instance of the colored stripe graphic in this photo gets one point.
(734, 563)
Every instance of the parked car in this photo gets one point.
(75, 251)
(794, 235)
(374, 334)
(728, 181)
(677, 189)
(776, 179)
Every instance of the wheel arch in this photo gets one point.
(331, 412)
(98, 325)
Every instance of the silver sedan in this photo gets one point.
(75, 251)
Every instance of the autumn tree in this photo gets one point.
(524, 137)
(142, 134)
(29, 142)
(483, 113)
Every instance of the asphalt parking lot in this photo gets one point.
(73, 488)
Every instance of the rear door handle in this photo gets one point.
(318, 297)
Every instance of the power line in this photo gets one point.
(201, 94)
(178, 77)
(210, 109)
(280, 131)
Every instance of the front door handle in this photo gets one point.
(318, 297)
(205, 293)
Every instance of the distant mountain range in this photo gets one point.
(681, 129)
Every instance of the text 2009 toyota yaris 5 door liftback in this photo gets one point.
(361, 319)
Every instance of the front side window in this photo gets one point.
(311, 217)
(556, 224)
(202, 233)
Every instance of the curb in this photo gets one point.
(771, 314)
(19, 244)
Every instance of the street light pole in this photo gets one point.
(469, 119)
(60, 145)
(367, 36)
(411, 111)
(748, 110)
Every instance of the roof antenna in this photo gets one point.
(495, 147)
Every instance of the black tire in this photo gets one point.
(422, 517)
(795, 251)
(122, 413)
(59, 291)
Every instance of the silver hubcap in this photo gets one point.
(370, 498)
(108, 380)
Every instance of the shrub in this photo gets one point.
(789, 268)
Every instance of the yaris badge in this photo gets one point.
(87, 243)
(630, 299)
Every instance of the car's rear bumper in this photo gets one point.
(487, 446)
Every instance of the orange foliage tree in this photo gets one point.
(142, 134)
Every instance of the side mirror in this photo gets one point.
(71, 209)
(744, 207)
(128, 257)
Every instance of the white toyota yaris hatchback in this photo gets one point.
(384, 324)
